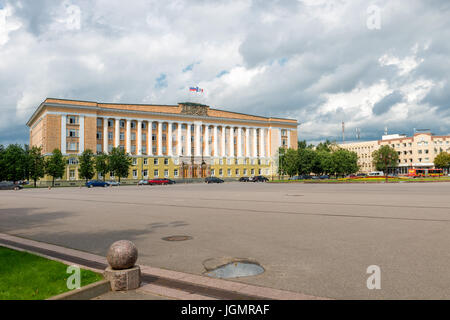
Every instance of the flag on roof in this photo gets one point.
(195, 89)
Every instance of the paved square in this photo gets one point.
(316, 239)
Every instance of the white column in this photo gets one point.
(206, 141)
(128, 133)
(81, 134)
(169, 136)
(160, 138)
(63, 134)
(239, 142)
(222, 149)
(197, 140)
(179, 143)
(116, 133)
(139, 138)
(188, 140)
(216, 153)
(231, 142)
(288, 132)
(255, 143)
(279, 133)
(105, 135)
(247, 142)
(150, 138)
(261, 143)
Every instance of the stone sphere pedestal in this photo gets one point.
(122, 272)
(125, 279)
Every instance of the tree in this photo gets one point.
(36, 164)
(344, 162)
(14, 161)
(102, 164)
(291, 162)
(55, 165)
(385, 158)
(86, 161)
(119, 162)
(306, 159)
(442, 160)
(324, 146)
(2, 164)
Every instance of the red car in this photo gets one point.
(160, 181)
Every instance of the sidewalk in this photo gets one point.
(157, 284)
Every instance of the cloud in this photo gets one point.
(315, 61)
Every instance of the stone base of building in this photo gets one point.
(123, 280)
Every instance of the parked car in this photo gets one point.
(171, 181)
(315, 177)
(361, 175)
(260, 179)
(352, 176)
(113, 183)
(325, 176)
(244, 179)
(159, 181)
(213, 180)
(143, 182)
(6, 185)
(376, 174)
(97, 183)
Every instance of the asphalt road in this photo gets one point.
(317, 239)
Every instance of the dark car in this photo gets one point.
(315, 177)
(324, 177)
(5, 185)
(171, 181)
(260, 179)
(361, 175)
(244, 179)
(159, 181)
(213, 180)
(96, 183)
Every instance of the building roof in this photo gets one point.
(182, 109)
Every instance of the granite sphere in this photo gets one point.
(122, 254)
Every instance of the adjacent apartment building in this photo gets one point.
(417, 151)
(187, 140)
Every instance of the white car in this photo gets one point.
(113, 183)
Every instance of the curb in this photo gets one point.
(85, 293)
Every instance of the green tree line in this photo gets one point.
(19, 163)
(325, 158)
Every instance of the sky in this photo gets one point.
(371, 64)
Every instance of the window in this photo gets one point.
(122, 123)
(99, 122)
(220, 172)
(99, 135)
(175, 161)
(122, 147)
(145, 161)
(134, 161)
(133, 124)
(166, 173)
(110, 135)
(72, 174)
(72, 120)
(144, 137)
(133, 149)
(144, 149)
(175, 173)
(72, 146)
(110, 147)
(164, 126)
(156, 173)
(73, 161)
(122, 136)
(154, 125)
(229, 172)
(133, 136)
(153, 137)
(72, 133)
(110, 123)
(237, 172)
(166, 161)
(164, 149)
(164, 138)
(154, 149)
(245, 172)
(259, 171)
(144, 125)
(213, 172)
(220, 161)
(155, 161)
(134, 174)
(145, 173)
(99, 148)
(253, 172)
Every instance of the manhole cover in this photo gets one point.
(177, 238)
(236, 270)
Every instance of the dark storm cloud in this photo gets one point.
(315, 61)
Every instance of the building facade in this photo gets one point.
(417, 151)
(187, 140)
